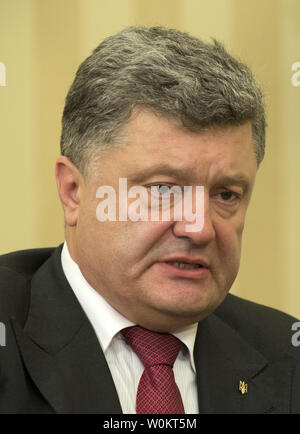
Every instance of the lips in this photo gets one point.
(185, 267)
(194, 262)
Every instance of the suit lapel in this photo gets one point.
(60, 349)
(223, 360)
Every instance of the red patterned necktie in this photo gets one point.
(157, 391)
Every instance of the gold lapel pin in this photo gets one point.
(243, 387)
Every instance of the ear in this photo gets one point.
(69, 181)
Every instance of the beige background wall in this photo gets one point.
(42, 43)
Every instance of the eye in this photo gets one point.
(160, 189)
(229, 196)
(161, 192)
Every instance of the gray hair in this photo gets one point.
(167, 71)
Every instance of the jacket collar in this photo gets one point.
(60, 349)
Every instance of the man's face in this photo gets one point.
(126, 261)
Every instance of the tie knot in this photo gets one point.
(152, 348)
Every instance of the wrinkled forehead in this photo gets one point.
(159, 146)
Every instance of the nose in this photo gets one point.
(201, 230)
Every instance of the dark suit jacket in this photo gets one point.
(53, 363)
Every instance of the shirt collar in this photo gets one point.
(107, 321)
(187, 335)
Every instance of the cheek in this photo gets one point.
(139, 238)
(134, 246)
(126, 246)
(229, 252)
(229, 236)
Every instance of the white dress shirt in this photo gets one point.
(125, 366)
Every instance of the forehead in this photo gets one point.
(158, 145)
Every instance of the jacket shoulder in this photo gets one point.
(268, 330)
(25, 262)
(16, 271)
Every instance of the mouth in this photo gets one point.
(185, 267)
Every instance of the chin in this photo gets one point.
(189, 311)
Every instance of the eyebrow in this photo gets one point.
(237, 179)
(188, 174)
(162, 169)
